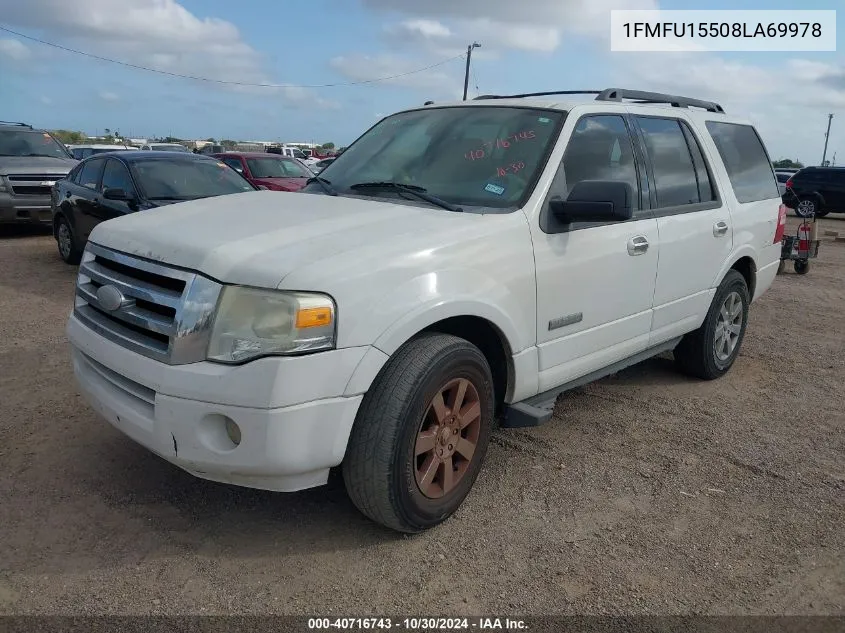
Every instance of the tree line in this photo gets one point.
(73, 137)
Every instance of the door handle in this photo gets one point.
(720, 228)
(637, 245)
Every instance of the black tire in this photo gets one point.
(807, 207)
(697, 354)
(381, 464)
(802, 267)
(69, 249)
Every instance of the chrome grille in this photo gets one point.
(157, 310)
(33, 184)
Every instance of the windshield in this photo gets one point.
(30, 143)
(276, 168)
(169, 148)
(485, 156)
(166, 179)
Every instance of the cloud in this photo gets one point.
(111, 97)
(426, 28)
(160, 34)
(508, 24)
(791, 115)
(360, 67)
(439, 40)
(14, 50)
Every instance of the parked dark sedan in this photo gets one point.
(109, 185)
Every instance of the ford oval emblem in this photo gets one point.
(110, 298)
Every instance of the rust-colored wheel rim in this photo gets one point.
(447, 439)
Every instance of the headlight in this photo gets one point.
(252, 322)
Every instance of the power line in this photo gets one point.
(474, 80)
(223, 81)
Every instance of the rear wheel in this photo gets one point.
(807, 207)
(421, 434)
(710, 351)
(801, 266)
(69, 251)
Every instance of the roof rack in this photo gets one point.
(618, 94)
(16, 123)
(539, 94)
(640, 96)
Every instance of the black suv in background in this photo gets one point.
(816, 191)
(112, 184)
(31, 161)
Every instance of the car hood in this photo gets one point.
(258, 238)
(281, 182)
(35, 165)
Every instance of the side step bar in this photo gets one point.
(538, 409)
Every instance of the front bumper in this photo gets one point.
(25, 209)
(293, 418)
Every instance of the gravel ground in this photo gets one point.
(648, 494)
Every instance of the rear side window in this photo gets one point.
(675, 177)
(234, 163)
(746, 161)
(89, 176)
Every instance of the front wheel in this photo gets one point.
(709, 351)
(69, 251)
(421, 434)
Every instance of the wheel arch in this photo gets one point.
(743, 261)
(818, 196)
(58, 215)
(485, 333)
(747, 267)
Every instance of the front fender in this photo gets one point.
(434, 296)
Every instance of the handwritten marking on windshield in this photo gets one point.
(513, 168)
(504, 143)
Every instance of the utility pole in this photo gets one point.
(826, 136)
(466, 74)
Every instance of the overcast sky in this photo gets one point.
(530, 45)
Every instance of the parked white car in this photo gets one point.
(456, 263)
(164, 147)
(84, 151)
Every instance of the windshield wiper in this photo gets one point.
(414, 190)
(325, 184)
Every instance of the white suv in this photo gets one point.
(457, 265)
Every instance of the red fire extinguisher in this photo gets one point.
(804, 239)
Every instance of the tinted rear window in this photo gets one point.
(746, 161)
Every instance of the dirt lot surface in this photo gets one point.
(649, 493)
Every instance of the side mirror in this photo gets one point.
(595, 201)
(117, 194)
